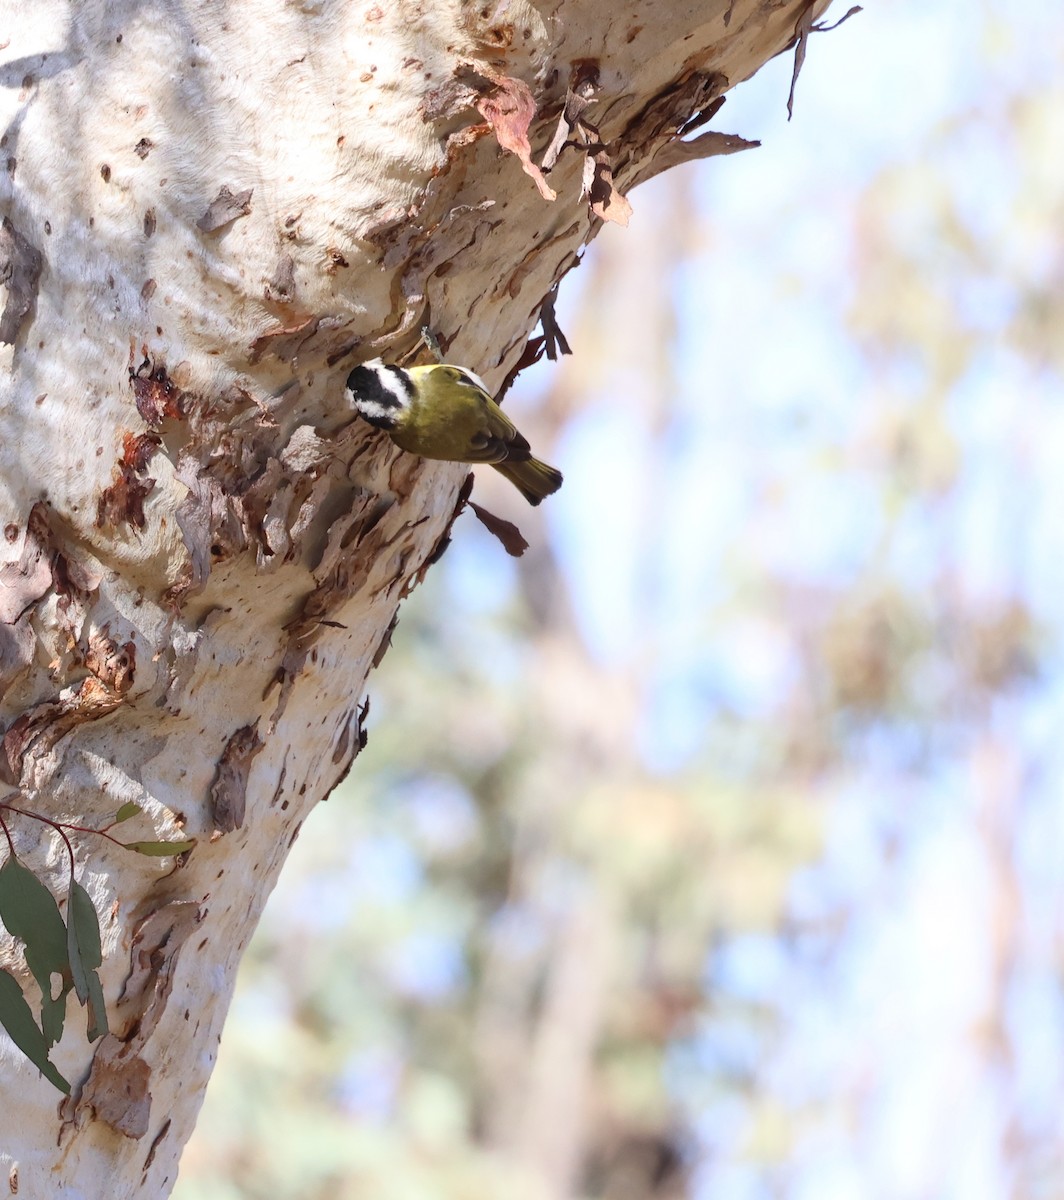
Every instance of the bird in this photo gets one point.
(446, 412)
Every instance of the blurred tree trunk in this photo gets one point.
(209, 213)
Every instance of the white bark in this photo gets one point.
(204, 551)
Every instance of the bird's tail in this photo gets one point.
(532, 478)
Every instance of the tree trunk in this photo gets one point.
(210, 213)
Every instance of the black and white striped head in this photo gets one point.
(379, 392)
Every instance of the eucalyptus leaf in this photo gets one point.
(83, 938)
(97, 1009)
(128, 810)
(22, 1029)
(159, 849)
(53, 1012)
(29, 911)
(86, 955)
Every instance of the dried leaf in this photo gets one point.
(22, 1029)
(509, 111)
(506, 531)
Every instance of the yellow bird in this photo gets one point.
(447, 412)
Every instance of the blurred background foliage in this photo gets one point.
(713, 848)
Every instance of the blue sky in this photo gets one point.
(883, 1042)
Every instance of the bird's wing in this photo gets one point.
(483, 448)
(498, 440)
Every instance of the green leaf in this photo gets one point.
(129, 809)
(159, 849)
(29, 911)
(97, 1009)
(83, 933)
(53, 1012)
(86, 955)
(16, 1018)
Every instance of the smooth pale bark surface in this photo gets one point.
(211, 212)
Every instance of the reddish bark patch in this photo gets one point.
(138, 450)
(157, 396)
(123, 502)
(509, 111)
